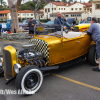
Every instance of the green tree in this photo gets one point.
(75, 1)
(64, 1)
(27, 6)
(90, 0)
(2, 3)
(69, 1)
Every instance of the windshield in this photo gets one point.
(50, 23)
(25, 22)
(37, 22)
(45, 29)
(8, 21)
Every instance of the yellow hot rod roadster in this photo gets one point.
(43, 53)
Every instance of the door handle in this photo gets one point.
(78, 41)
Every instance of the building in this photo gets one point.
(78, 9)
(22, 15)
(96, 9)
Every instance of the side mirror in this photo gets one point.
(66, 31)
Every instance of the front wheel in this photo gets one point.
(92, 56)
(1, 71)
(29, 79)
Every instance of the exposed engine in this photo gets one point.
(29, 55)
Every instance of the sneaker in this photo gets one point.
(96, 69)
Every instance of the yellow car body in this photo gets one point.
(65, 49)
(82, 27)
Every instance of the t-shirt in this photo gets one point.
(30, 25)
(95, 31)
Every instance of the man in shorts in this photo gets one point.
(94, 32)
(31, 28)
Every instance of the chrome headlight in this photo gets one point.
(17, 67)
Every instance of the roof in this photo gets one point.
(40, 12)
(70, 13)
(62, 3)
(69, 4)
(20, 11)
(25, 11)
(5, 12)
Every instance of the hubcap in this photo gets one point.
(31, 80)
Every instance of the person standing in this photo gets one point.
(31, 28)
(74, 22)
(77, 21)
(94, 32)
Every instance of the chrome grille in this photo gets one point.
(7, 64)
(76, 29)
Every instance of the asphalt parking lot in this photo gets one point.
(76, 82)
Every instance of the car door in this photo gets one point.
(75, 47)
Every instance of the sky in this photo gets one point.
(77, 0)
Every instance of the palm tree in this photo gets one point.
(2, 2)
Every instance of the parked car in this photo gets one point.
(82, 22)
(7, 26)
(25, 26)
(44, 53)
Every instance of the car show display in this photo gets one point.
(44, 53)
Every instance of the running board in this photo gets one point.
(49, 68)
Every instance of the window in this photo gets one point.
(37, 22)
(59, 8)
(27, 14)
(1, 15)
(45, 10)
(97, 6)
(80, 8)
(31, 14)
(18, 14)
(71, 15)
(49, 10)
(79, 14)
(66, 15)
(75, 8)
(64, 8)
(23, 14)
(54, 8)
(71, 8)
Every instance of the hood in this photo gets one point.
(83, 25)
(70, 20)
(49, 39)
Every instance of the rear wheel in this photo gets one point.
(29, 79)
(92, 56)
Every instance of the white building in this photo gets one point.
(23, 14)
(69, 9)
(96, 9)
